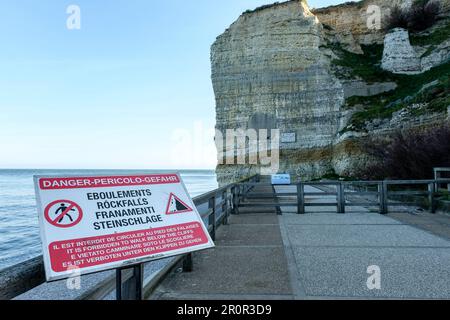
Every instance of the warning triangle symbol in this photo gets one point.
(176, 205)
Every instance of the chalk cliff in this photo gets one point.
(398, 55)
(286, 67)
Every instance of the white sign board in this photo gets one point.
(95, 223)
(281, 179)
(289, 137)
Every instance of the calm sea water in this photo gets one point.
(19, 230)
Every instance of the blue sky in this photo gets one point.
(130, 90)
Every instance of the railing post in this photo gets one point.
(436, 179)
(130, 289)
(188, 264)
(213, 217)
(239, 195)
(431, 191)
(225, 207)
(380, 197)
(235, 200)
(245, 189)
(340, 198)
(277, 207)
(383, 196)
(300, 198)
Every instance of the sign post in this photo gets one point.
(132, 290)
(96, 223)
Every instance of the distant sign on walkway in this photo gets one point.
(96, 223)
(281, 179)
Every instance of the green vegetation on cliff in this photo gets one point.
(409, 87)
(434, 38)
(409, 91)
(333, 176)
(437, 97)
(407, 154)
(365, 66)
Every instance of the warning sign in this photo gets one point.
(176, 205)
(104, 222)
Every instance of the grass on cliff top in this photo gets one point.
(349, 4)
(267, 6)
(384, 105)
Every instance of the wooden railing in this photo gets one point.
(381, 191)
(214, 207)
(438, 172)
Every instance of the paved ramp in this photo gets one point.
(329, 255)
(248, 262)
(321, 255)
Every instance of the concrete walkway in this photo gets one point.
(248, 262)
(319, 255)
(329, 255)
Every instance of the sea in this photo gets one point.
(19, 229)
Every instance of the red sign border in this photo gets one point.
(204, 235)
(78, 182)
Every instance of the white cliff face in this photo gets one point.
(399, 56)
(268, 72)
(406, 4)
(402, 58)
(273, 69)
(438, 56)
